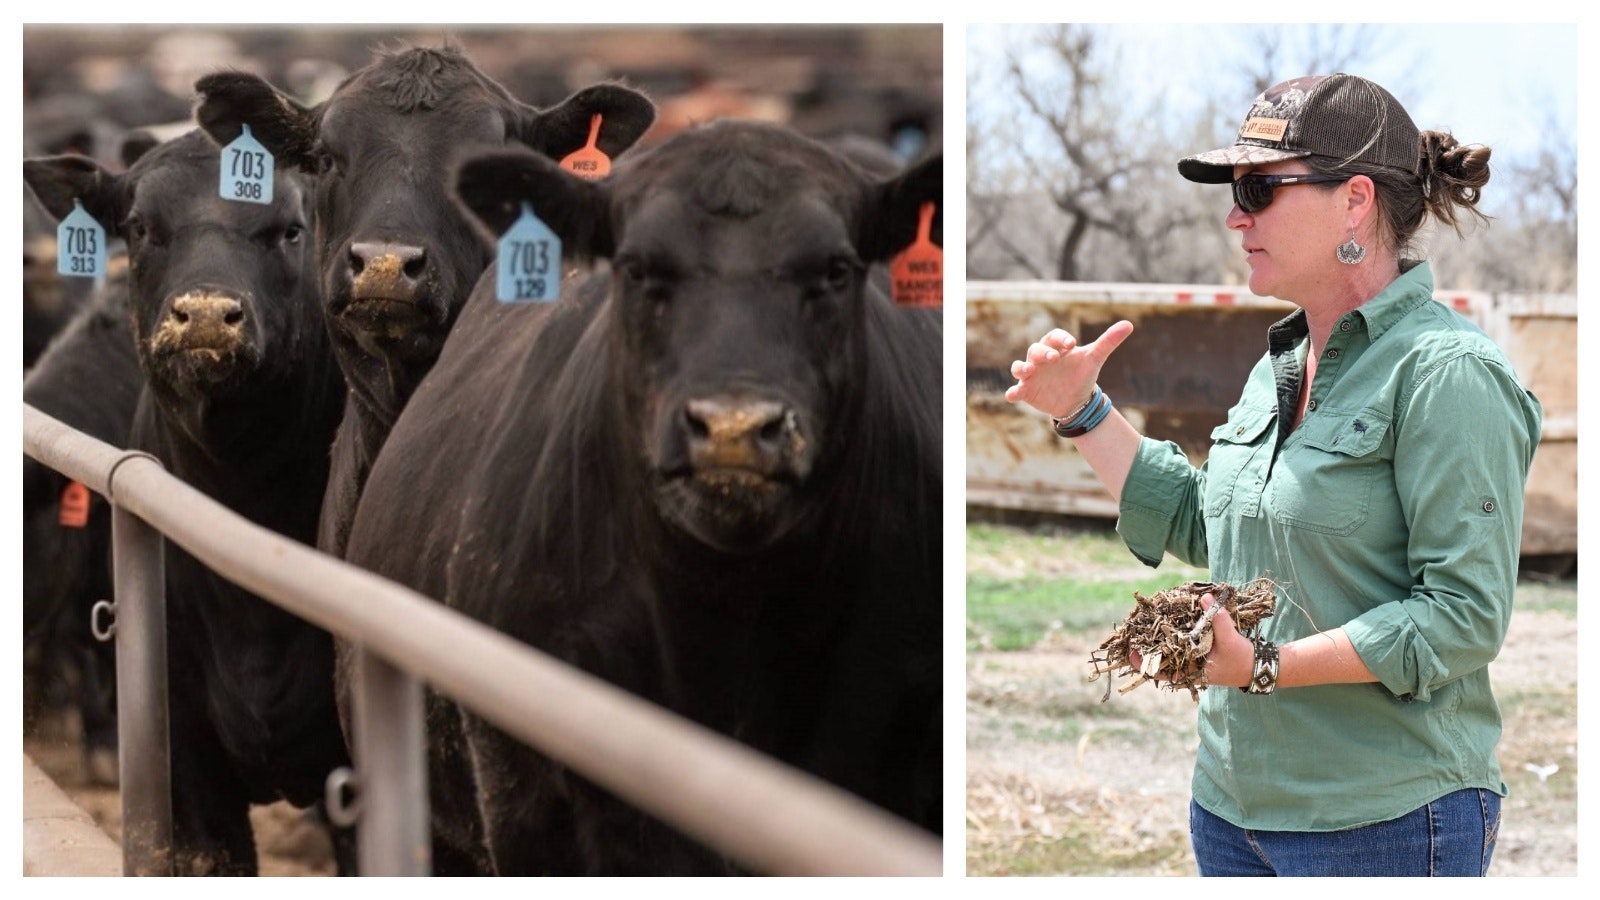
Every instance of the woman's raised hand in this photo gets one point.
(1058, 375)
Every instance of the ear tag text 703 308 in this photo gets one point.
(529, 265)
(246, 171)
(81, 244)
(589, 160)
(916, 274)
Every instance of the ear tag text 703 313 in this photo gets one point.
(916, 274)
(529, 265)
(246, 171)
(80, 244)
(589, 160)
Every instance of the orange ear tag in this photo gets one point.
(74, 505)
(589, 160)
(916, 274)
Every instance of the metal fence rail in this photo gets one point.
(763, 814)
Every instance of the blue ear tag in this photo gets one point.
(80, 245)
(529, 265)
(246, 171)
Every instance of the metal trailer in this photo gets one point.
(1183, 368)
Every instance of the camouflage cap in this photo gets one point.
(1340, 117)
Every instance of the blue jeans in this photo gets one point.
(1453, 835)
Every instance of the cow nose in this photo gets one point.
(205, 319)
(758, 435)
(381, 270)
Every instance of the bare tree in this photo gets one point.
(1063, 130)
(1071, 161)
(1532, 243)
(1280, 52)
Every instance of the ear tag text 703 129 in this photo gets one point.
(246, 174)
(529, 265)
(589, 160)
(80, 244)
(916, 274)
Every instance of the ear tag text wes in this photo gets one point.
(246, 174)
(529, 265)
(916, 274)
(74, 505)
(80, 244)
(589, 160)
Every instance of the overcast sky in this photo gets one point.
(1502, 85)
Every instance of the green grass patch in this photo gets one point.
(1013, 615)
(1082, 546)
(1547, 596)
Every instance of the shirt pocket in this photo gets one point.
(1324, 480)
(1235, 465)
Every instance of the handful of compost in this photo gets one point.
(1172, 634)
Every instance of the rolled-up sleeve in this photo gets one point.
(1463, 452)
(1162, 505)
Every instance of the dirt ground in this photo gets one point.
(288, 842)
(1048, 763)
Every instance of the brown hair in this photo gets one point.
(1449, 175)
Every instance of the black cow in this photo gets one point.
(397, 257)
(87, 378)
(240, 400)
(710, 475)
(74, 120)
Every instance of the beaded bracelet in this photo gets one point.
(1086, 418)
(1264, 674)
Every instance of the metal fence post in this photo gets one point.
(392, 833)
(143, 739)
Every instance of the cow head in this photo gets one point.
(738, 312)
(397, 258)
(216, 287)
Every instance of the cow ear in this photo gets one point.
(137, 143)
(59, 180)
(231, 100)
(890, 223)
(492, 187)
(625, 115)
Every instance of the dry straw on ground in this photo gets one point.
(1172, 634)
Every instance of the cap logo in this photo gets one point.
(1264, 129)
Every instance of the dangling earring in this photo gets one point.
(1351, 253)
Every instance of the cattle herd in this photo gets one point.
(709, 472)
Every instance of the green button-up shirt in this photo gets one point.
(1393, 510)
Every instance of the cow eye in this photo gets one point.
(141, 231)
(841, 273)
(291, 235)
(323, 160)
(654, 281)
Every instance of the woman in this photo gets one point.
(1374, 468)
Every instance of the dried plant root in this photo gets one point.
(1172, 634)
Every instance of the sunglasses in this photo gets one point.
(1253, 192)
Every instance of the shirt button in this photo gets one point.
(1344, 326)
(1311, 405)
(1333, 354)
(1488, 506)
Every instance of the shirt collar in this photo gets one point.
(1413, 288)
(1403, 295)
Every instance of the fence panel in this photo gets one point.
(767, 816)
